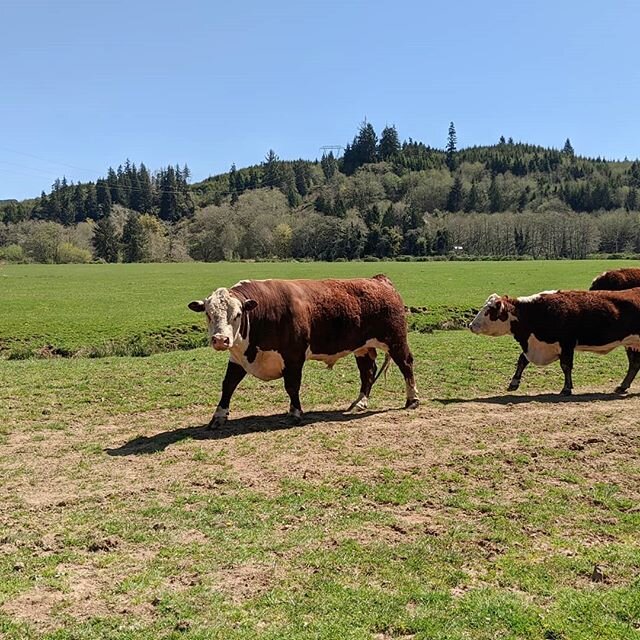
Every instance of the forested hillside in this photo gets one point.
(379, 198)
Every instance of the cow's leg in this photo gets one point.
(367, 367)
(232, 379)
(292, 381)
(566, 362)
(520, 367)
(634, 365)
(401, 355)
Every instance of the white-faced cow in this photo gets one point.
(552, 325)
(271, 327)
(614, 280)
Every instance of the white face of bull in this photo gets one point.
(224, 315)
(494, 319)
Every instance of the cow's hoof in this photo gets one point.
(513, 386)
(412, 404)
(216, 422)
(294, 418)
(565, 392)
(621, 390)
(356, 407)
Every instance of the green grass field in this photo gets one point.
(480, 515)
(140, 309)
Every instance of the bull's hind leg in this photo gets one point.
(517, 376)
(292, 381)
(401, 355)
(634, 365)
(232, 379)
(367, 367)
(566, 362)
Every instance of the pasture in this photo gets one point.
(482, 514)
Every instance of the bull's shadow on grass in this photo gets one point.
(240, 426)
(546, 398)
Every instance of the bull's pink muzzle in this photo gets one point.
(220, 343)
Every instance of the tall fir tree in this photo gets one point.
(132, 239)
(389, 146)
(271, 170)
(568, 148)
(105, 240)
(451, 148)
(456, 196)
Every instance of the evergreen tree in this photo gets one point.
(568, 149)
(451, 149)
(233, 175)
(103, 196)
(91, 209)
(329, 165)
(105, 240)
(456, 196)
(495, 196)
(271, 171)
(389, 146)
(363, 149)
(145, 198)
(472, 202)
(132, 239)
(631, 201)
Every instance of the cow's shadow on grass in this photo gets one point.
(240, 426)
(546, 398)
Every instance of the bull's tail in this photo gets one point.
(383, 368)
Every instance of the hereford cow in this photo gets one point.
(552, 325)
(271, 327)
(614, 280)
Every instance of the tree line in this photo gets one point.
(381, 198)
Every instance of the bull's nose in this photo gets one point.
(220, 342)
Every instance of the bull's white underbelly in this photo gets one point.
(632, 341)
(331, 359)
(268, 365)
(541, 353)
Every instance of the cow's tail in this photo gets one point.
(383, 368)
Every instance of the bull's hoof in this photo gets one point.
(412, 404)
(294, 419)
(356, 407)
(565, 392)
(216, 422)
(621, 390)
(513, 386)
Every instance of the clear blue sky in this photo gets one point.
(87, 84)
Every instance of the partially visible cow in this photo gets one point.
(614, 280)
(271, 327)
(553, 325)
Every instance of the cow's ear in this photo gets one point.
(248, 305)
(196, 305)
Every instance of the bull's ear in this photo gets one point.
(248, 305)
(196, 305)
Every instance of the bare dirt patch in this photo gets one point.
(138, 461)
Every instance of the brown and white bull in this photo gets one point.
(552, 325)
(613, 280)
(271, 327)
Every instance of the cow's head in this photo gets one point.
(494, 319)
(224, 316)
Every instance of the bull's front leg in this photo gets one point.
(517, 376)
(634, 365)
(232, 379)
(566, 362)
(292, 380)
